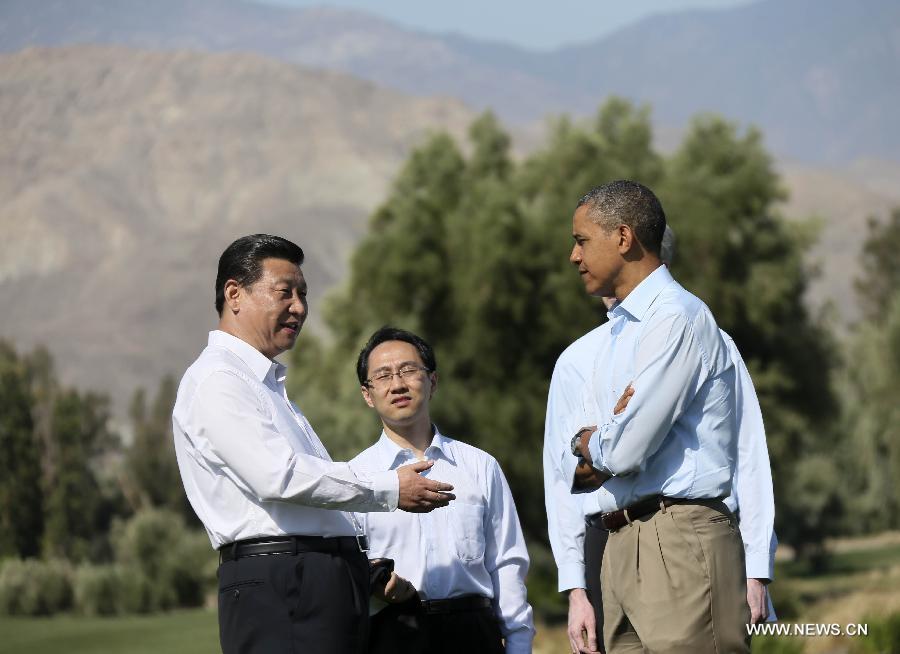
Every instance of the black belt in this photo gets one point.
(291, 545)
(456, 604)
(615, 520)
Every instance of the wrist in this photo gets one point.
(575, 444)
(576, 594)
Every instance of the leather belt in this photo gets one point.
(289, 545)
(456, 604)
(615, 520)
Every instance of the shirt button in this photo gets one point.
(237, 594)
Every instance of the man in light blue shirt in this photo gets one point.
(673, 567)
(578, 565)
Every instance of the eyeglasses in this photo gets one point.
(406, 373)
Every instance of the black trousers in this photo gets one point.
(594, 544)
(406, 629)
(306, 603)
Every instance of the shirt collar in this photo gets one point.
(391, 453)
(642, 296)
(259, 363)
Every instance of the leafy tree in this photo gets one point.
(152, 471)
(21, 517)
(870, 384)
(76, 523)
(745, 261)
(471, 252)
(880, 266)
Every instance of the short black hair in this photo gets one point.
(388, 333)
(242, 260)
(628, 203)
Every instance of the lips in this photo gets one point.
(292, 328)
(401, 401)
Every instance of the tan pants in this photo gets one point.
(674, 581)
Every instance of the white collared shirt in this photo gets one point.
(473, 546)
(251, 463)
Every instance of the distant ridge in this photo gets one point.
(124, 173)
(820, 77)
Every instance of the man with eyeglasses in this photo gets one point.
(467, 561)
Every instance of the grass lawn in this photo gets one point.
(862, 584)
(188, 632)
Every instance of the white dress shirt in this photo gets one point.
(251, 463)
(474, 546)
(751, 489)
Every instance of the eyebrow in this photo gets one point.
(400, 365)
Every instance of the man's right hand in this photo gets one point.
(582, 623)
(419, 494)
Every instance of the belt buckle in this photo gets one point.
(362, 542)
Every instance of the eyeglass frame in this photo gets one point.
(387, 377)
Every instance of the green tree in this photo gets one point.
(152, 476)
(471, 252)
(880, 264)
(21, 516)
(745, 261)
(76, 522)
(870, 384)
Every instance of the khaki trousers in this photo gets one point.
(674, 581)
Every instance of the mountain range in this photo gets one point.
(129, 161)
(818, 76)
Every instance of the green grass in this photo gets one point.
(179, 632)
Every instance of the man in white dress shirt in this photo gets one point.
(673, 569)
(467, 561)
(579, 566)
(293, 575)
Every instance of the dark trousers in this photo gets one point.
(406, 629)
(306, 603)
(594, 544)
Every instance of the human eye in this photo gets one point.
(382, 377)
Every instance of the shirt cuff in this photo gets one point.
(519, 642)
(596, 456)
(571, 575)
(760, 565)
(386, 487)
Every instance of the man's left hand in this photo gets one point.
(757, 598)
(396, 591)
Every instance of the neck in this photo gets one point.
(634, 274)
(416, 436)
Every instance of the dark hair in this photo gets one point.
(628, 203)
(242, 260)
(386, 334)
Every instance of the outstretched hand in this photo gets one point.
(419, 494)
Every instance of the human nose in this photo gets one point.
(299, 306)
(397, 382)
(575, 255)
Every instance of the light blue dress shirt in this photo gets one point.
(569, 407)
(678, 435)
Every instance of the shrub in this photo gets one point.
(98, 590)
(35, 587)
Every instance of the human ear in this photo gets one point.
(367, 396)
(233, 295)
